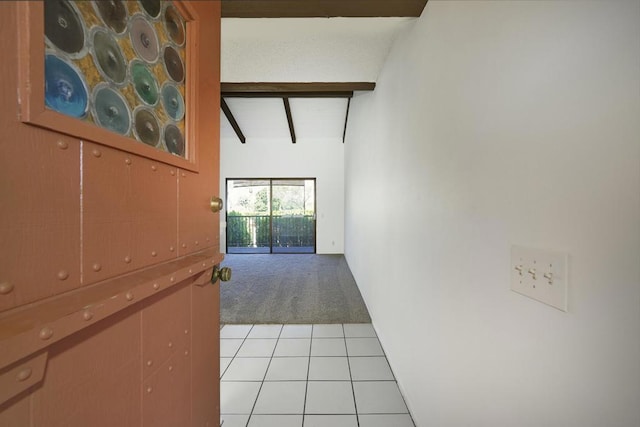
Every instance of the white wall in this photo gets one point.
(306, 49)
(322, 159)
(492, 124)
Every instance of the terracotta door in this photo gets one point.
(107, 313)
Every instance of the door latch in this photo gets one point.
(216, 204)
(222, 273)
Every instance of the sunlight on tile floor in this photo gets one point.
(307, 376)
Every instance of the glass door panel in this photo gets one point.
(293, 216)
(248, 216)
(271, 216)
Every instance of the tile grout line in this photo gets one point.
(304, 413)
(395, 379)
(353, 390)
(234, 358)
(236, 352)
(265, 374)
(306, 386)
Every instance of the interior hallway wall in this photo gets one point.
(322, 159)
(496, 123)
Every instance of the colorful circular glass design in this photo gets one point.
(135, 47)
(144, 83)
(144, 39)
(174, 25)
(174, 140)
(146, 126)
(108, 56)
(113, 14)
(172, 101)
(173, 64)
(64, 89)
(110, 110)
(63, 26)
(151, 7)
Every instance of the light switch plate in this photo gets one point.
(541, 275)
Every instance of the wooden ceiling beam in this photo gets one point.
(346, 120)
(287, 109)
(294, 90)
(286, 91)
(287, 94)
(232, 120)
(321, 8)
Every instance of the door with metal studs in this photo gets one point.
(109, 132)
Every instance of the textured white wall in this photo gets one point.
(322, 159)
(492, 124)
(306, 49)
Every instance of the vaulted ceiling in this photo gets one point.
(289, 72)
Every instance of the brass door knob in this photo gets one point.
(216, 204)
(224, 274)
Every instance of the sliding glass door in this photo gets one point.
(271, 215)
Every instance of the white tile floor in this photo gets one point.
(307, 376)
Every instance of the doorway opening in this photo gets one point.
(271, 215)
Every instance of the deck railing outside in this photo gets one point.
(282, 233)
